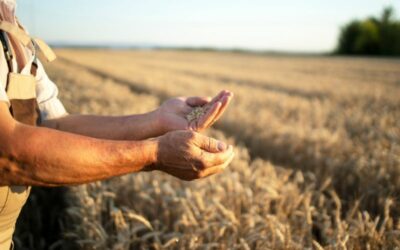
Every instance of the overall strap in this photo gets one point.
(21, 89)
(6, 47)
(25, 39)
(45, 49)
(39, 44)
(7, 53)
(14, 30)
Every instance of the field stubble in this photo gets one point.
(317, 163)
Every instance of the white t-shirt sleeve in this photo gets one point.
(47, 96)
(3, 76)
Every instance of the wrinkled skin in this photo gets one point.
(188, 155)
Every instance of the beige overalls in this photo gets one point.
(21, 91)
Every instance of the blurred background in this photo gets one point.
(285, 26)
(315, 122)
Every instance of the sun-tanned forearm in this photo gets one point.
(132, 127)
(48, 157)
(171, 115)
(78, 148)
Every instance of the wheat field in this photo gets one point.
(317, 161)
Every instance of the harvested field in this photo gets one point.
(317, 163)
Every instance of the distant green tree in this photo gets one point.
(372, 36)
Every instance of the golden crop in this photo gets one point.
(195, 114)
(318, 155)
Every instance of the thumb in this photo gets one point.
(195, 101)
(210, 144)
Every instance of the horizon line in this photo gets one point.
(152, 46)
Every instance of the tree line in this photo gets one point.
(372, 36)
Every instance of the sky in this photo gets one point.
(280, 25)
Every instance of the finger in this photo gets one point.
(225, 103)
(221, 95)
(216, 169)
(209, 144)
(206, 119)
(195, 101)
(194, 173)
(217, 97)
(204, 159)
(215, 159)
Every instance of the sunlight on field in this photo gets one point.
(317, 140)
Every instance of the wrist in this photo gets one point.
(145, 125)
(152, 150)
(158, 124)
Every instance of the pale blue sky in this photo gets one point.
(289, 25)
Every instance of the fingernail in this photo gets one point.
(221, 146)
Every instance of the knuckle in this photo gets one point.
(186, 149)
(190, 154)
(198, 164)
(190, 136)
(202, 164)
(202, 161)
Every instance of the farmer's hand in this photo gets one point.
(172, 114)
(189, 155)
